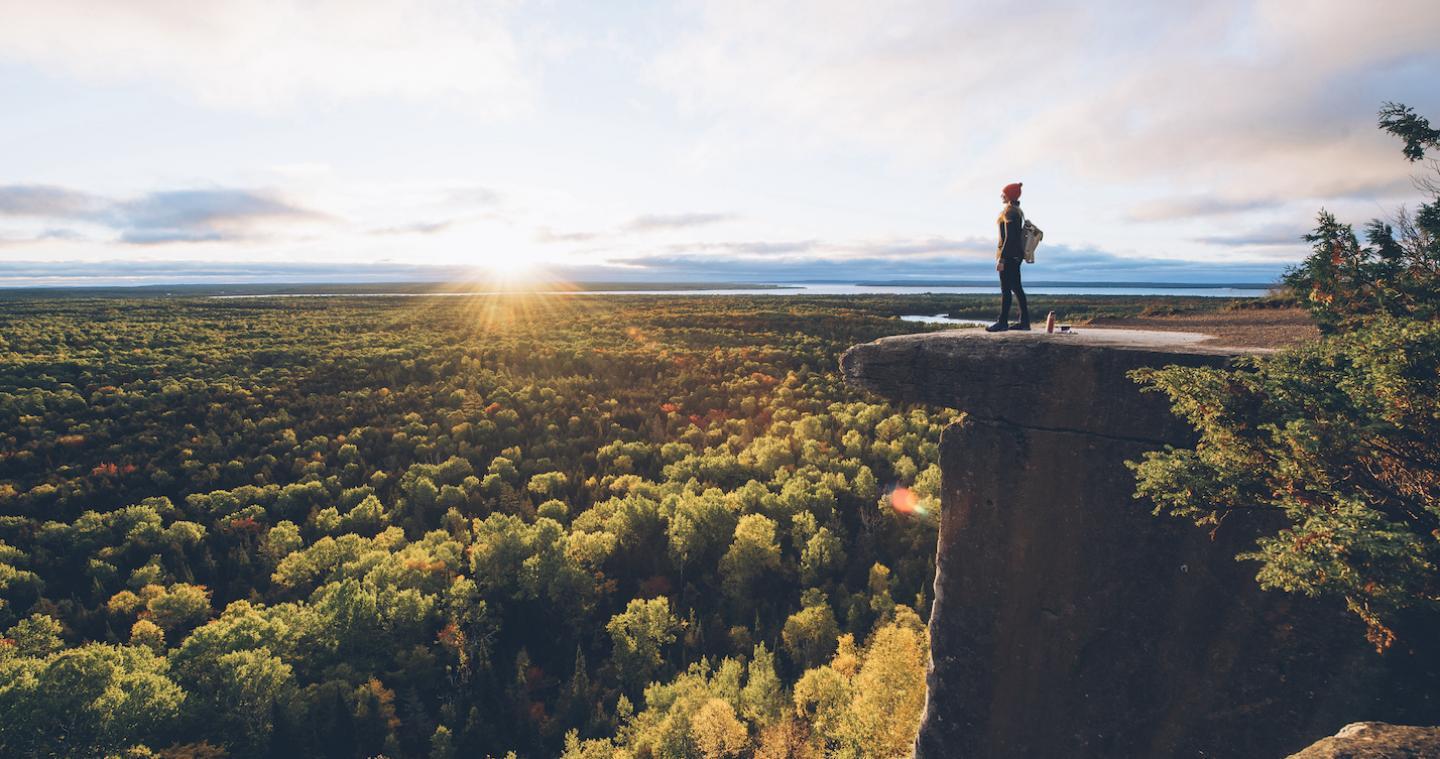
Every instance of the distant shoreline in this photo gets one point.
(808, 287)
(1062, 283)
(361, 288)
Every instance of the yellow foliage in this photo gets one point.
(148, 634)
(786, 739)
(716, 730)
(889, 693)
(123, 603)
(846, 661)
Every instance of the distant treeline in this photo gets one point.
(363, 288)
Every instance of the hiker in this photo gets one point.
(1009, 254)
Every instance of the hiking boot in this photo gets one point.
(997, 327)
(1020, 327)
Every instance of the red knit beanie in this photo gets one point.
(1012, 191)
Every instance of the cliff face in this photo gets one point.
(1069, 621)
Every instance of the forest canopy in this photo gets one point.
(457, 527)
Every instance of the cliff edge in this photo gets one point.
(1069, 621)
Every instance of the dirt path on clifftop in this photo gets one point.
(1242, 328)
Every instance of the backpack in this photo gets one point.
(1033, 236)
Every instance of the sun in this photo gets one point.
(510, 267)
(502, 272)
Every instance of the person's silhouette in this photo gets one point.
(1009, 254)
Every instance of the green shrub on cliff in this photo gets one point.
(1342, 437)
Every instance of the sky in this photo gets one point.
(161, 141)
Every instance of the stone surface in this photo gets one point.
(1069, 621)
(1376, 740)
(1034, 379)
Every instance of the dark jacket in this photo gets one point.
(1012, 233)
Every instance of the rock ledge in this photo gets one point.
(1075, 381)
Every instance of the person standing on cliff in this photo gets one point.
(1009, 254)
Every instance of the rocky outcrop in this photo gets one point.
(1376, 740)
(1069, 621)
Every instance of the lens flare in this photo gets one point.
(904, 501)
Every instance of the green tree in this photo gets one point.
(809, 635)
(87, 701)
(1344, 283)
(442, 744)
(147, 634)
(822, 697)
(1402, 121)
(822, 557)
(366, 518)
(280, 541)
(548, 484)
(238, 695)
(35, 636)
(882, 603)
(700, 527)
(640, 635)
(178, 607)
(762, 698)
(753, 555)
(1342, 438)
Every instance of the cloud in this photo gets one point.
(547, 235)
(750, 249)
(1272, 237)
(269, 53)
(898, 249)
(652, 222)
(1234, 98)
(47, 200)
(187, 215)
(421, 208)
(1193, 206)
(200, 215)
(643, 224)
(929, 246)
(54, 233)
(154, 272)
(417, 228)
(472, 196)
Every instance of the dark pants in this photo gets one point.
(1010, 283)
